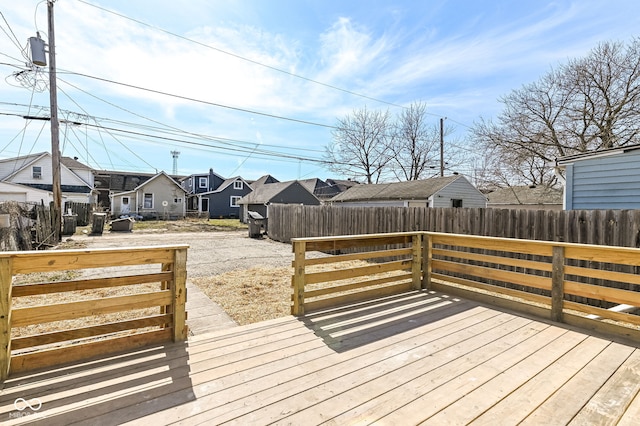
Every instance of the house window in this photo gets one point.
(456, 203)
(37, 172)
(237, 184)
(234, 201)
(147, 202)
(203, 182)
(177, 200)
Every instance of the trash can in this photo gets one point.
(69, 224)
(124, 224)
(97, 223)
(255, 221)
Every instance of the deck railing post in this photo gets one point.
(557, 284)
(179, 293)
(426, 260)
(299, 250)
(416, 261)
(5, 317)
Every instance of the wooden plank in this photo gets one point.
(540, 248)
(179, 295)
(531, 297)
(610, 402)
(72, 310)
(603, 313)
(602, 274)
(97, 330)
(299, 277)
(427, 261)
(81, 351)
(356, 256)
(416, 262)
(358, 297)
(493, 274)
(609, 294)
(357, 242)
(320, 277)
(63, 260)
(5, 317)
(498, 260)
(564, 402)
(361, 284)
(76, 285)
(557, 284)
(622, 255)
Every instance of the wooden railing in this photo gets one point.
(577, 284)
(149, 307)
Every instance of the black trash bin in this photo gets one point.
(69, 224)
(255, 221)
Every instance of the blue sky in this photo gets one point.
(248, 73)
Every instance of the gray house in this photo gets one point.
(160, 197)
(602, 180)
(291, 192)
(525, 197)
(223, 201)
(448, 191)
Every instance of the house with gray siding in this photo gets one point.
(602, 180)
(223, 201)
(291, 192)
(447, 191)
(538, 197)
(160, 197)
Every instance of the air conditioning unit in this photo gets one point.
(37, 175)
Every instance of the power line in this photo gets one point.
(242, 57)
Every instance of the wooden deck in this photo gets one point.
(406, 359)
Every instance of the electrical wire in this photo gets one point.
(242, 57)
(15, 39)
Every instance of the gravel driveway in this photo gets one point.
(210, 253)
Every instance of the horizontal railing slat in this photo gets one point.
(497, 260)
(72, 310)
(357, 256)
(318, 277)
(84, 332)
(82, 351)
(353, 286)
(359, 296)
(608, 294)
(90, 284)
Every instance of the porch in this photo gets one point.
(421, 356)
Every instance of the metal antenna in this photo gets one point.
(175, 154)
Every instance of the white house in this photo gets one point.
(448, 191)
(34, 172)
(602, 180)
(160, 197)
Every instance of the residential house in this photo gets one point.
(448, 191)
(325, 190)
(602, 180)
(198, 184)
(160, 197)
(263, 180)
(35, 171)
(291, 192)
(526, 197)
(25, 194)
(223, 201)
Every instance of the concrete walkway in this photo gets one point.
(203, 314)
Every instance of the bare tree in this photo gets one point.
(360, 145)
(587, 104)
(416, 143)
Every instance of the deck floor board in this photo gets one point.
(420, 357)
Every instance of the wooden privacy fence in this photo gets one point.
(53, 322)
(499, 271)
(601, 227)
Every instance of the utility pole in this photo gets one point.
(442, 147)
(55, 129)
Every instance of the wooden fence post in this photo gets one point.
(179, 293)
(416, 261)
(299, 250)
(5, 317)
(557, 284)
(426, 260)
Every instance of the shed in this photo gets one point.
(448, 191)
(602, 180)
(290, 192)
